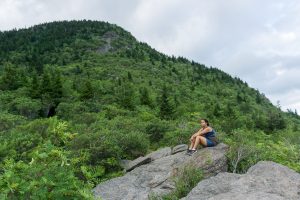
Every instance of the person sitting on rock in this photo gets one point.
(206, 136)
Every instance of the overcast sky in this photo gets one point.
(258, 41)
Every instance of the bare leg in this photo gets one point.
(199, 140)
(192, 143)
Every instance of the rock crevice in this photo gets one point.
(266, 180)
(153, 173)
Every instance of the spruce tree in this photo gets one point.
(45, 87)
(129, 76)
(10, 78)
(87, 91)
(56, 86)
(145, 97)
(125, 96)
(166, 107)
(35, 85)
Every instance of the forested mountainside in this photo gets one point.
(76, 97)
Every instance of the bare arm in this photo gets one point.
(204, 131)
(200, 132)
(197, 133)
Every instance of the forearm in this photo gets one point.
(194, 135)
(199, 133)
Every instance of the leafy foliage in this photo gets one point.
(76, 97)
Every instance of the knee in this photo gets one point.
(200, 137)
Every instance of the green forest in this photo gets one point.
(76, 97)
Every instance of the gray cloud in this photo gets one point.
(258, 41)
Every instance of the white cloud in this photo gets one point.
(255, 40)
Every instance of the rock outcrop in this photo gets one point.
(266, 181)
(130, 165)
(155, 177)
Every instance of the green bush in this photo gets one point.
(48, 175)
(113, 110)
(186, 179)
(68, 110)
(8, 121)
(85, 118)
(145, 113)
(133, 144)
(243, 153)
(26, 106)
(281, 151)
(57, 70)
(22, 139)
(249, 147)
(157, 129)
(100, 147)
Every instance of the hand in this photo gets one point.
(193, 137)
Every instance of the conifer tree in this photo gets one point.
(87, 91)
(166, 107)
(34, 85)
(10, 78)
(145, 97)
(125, 96)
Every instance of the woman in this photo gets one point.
(206, 136)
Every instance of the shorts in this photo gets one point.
(209, 142)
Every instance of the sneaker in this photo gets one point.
(192, 152)
(188, 151)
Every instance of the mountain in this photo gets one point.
(76, 97)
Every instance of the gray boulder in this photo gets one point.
(160, 153)
(156, 177)
(180, 147)
(129, 165)
(266, 181)
(136, 162)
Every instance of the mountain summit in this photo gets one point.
(79, 97)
